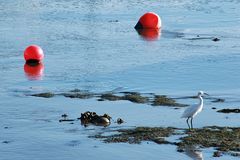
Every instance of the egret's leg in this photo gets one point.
(191, 123)
(188, 124)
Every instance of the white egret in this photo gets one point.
(193, 110)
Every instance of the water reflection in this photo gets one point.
(34, 71)
(149, 34)
(172, 34)
(193, 152)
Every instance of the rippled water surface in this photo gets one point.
(92, 45)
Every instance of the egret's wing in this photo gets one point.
(190, 111)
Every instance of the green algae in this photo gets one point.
(158, 100)
(110, 97)
(44, 95)
(78, 95)
(135, 98)
(162, 100)
(139, 134)
(236, 110)
(75, 90)
(224, 139)
(132, 97)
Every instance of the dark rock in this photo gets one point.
(235, 154)
(6, 142)
(180, 150)
(64, 116)
(113, 21)
(92, 118)
(229, 110)
(215, 39)
(66, 120)
(218, 100)
(217, 154)
(120, 121)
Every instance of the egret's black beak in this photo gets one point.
(206, 94)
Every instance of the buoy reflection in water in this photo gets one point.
(149, 34)
(34, 71)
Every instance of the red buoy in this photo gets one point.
(149, 20)
(34, 72)
(33, 53)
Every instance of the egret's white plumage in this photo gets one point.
(193, 110)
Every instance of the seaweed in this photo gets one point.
(139, 134)
(135, 98)
(162, 100)
(132, 97)
(226, 140)
(222, 138)
(236, 110)
(44, 95)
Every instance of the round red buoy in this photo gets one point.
(33, 53)
(149, 20)
(34, 72)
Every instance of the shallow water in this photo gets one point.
(92, 45)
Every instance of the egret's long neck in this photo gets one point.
(201, 100)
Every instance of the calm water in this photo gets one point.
(92, 45)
